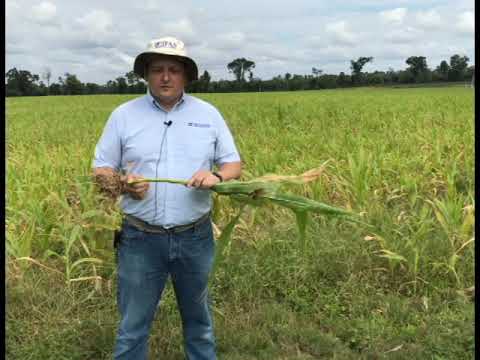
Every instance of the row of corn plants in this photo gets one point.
(401, 160)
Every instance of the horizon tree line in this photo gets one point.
(24, 83)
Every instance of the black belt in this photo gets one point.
(144, 226)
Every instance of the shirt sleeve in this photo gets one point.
(108, 151)
(225, 149)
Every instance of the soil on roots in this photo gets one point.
(111, 184)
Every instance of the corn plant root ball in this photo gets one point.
(110, 184)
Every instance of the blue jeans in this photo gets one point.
(144, 262)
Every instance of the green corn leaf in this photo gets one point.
(224, 239)
(392, 255)
(84, 260)
(302, 219)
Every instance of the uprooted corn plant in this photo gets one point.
(254, 192)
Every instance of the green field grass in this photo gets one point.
(402, 158)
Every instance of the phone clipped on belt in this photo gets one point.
(116, 238)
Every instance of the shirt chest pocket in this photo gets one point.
(199, 148)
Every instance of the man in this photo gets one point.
(167, 229)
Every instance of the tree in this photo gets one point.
(316, 72)
(357, 66)
(470, 74)
(47, 74)
(239, 66)
(20, 82)
(375, 78)
(92, 88)
(406, 77)
(72, 86)
(391, 76)
(122, 87)
(458, 65)
(442, 70)
(204, 81)
(132, 78)
(343, 80)
(111, 87)
(418, 67)
(55, 89)
(135, 84)
(40, 90)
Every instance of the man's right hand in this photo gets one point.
(138, 190)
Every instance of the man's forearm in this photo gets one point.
(229, 171)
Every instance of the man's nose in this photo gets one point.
(166, 76)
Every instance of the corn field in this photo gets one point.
(402, 159)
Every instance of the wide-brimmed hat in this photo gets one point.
(166, 46)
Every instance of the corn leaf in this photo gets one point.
(302, 219)
(224, 239)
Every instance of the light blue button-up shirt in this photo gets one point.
(137, 139)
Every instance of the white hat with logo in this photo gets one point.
(166, 46)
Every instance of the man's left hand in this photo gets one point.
(203, 179)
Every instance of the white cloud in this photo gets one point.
(182, 28)
(333, 51)
(96, 22)
(393, 17)
(229, 41)
(404, 35)
(466, 22)
(429, 19)
(44, 12)
(340, 33)
(94, 29)
(11, 8)
(15, 48)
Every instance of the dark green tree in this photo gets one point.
(441, 71)
(418, 67)
(92, 88)
(55, 89)
(72, 86)
(135, 83)
(458, 66)
(391, 76)
(470, 74)
(40, 90)
(343, 80)
(204, 81)
(47, 75)
(239, 67)
(111, 87)
(122, 87)
(406, 77)
(357, 66)
(20, 82)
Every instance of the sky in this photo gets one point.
(99, 40)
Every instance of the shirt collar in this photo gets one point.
(154, 102)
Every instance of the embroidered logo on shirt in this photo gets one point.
(199, 125)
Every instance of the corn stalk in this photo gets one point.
(267, 189)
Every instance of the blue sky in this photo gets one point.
(98, 40)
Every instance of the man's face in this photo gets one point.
(166, 78)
